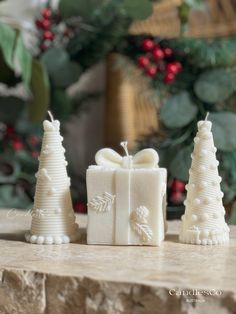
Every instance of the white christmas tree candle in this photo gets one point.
(126, 198)
(53, 219)
(203, 222)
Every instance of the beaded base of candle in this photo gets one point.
(205, 237)
(49, 239)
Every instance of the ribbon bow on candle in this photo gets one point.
(146, 158)
(54, 125)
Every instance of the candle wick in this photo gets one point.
(50, 115)
(207, 115)
(125, 146)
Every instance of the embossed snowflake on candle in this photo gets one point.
(56, 222)
(203, 222)
(126, 198)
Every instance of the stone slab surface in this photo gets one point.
(78, 278)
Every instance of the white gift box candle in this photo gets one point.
(126, 199)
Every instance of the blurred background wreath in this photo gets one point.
(167, 64)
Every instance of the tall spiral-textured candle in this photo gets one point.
(53, 219)
(203, 222)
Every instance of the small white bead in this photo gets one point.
(214, 150)
(194, 218)
(196, 201)
(57, 240)
(65, 239)
(203, 153)
(196, 139)
(221, 194)
(49, 240)
(202, 169)
(33, 239)
(219, 179)
(40, 240)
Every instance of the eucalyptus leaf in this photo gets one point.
(138, 9)
(224, 130)
(61, 104)
(12, 198)
(215, 85)
(178, 111)
(22, 59)
(181, 163)
(62, 71)
(15, 54)
(40, 91)
(233, 214)
(11, 109)
(81, 8)
(7, 43)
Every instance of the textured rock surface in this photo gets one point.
(77, 278)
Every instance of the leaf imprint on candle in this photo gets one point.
(102, 203)
(139, 223)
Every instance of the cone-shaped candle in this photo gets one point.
(53, 219)
(203, 222)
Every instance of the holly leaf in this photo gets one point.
(62, 71)
(224, 130)
(178, 111)
(138, 9)
(181, 163)
(40, 91)
(215, 85)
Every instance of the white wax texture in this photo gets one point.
(203, 222)
(135, 198)
(53, 219)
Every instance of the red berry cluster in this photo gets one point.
(157, 60)
(44, 23)
(18, 143)
(80, 207)
(176, 189)
(51, 28)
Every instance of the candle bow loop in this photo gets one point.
(146, 158)
(51, 126)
